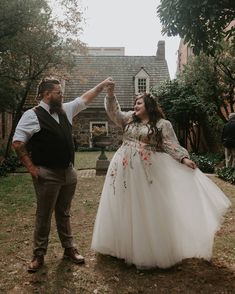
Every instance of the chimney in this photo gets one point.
(161, 50)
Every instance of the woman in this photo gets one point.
(156, 207)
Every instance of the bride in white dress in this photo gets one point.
(156, 208)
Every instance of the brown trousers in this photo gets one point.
(54, 191)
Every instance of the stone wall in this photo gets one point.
(82, 131)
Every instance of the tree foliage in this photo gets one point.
(183, 107)
(15, 16)
(202, 24)
(37, 48)
(213, 80)
(202, 96)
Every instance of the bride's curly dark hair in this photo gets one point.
(154, 112)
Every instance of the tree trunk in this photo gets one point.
(16, 118)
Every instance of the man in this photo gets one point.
(43, 141)
(228, 140)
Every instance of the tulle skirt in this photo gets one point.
(155, 211)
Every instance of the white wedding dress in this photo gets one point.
(155, 211)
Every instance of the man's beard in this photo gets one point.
(56, 107)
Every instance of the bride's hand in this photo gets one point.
(110, 90)
(189, 163)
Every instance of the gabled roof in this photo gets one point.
(91, 70)
(142, 71)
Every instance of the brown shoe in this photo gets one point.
(36, 263)
(73, 255)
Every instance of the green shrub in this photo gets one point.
(205, 164)
(215, 158)
(8, 165)
(227, 174)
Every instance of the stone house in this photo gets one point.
(132, 74)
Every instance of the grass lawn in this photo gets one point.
(83, 160)
(100, 274)
(87, 160)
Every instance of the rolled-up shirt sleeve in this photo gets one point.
(27, 126)
(73, 107)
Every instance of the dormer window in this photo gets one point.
(142, 81)
(142, 85)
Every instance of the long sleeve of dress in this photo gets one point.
(113, 109)
(170, 142)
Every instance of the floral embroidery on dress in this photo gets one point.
(125, 162)
(145, 156)
(113, 174)
(137, 142)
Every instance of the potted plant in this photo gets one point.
(100, 137)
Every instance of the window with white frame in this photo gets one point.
(142, 85)
(142, 81)
(99, 124)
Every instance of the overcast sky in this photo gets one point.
(132, 24)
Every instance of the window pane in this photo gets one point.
(141, 85)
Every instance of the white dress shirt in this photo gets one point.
(29, 124)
